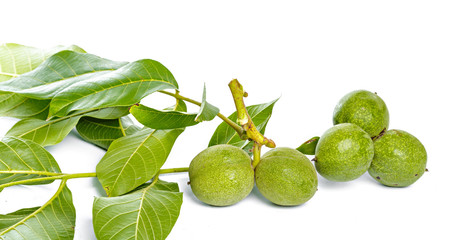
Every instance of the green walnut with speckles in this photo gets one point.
(286, 177)
(344, 153)
(400, 159)
(221, 175)
(365, 109)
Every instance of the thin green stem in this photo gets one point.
(180, 97)
(228, 121)
(234, 125)
(28, 181)
(79, 175)
(173, 170)
(42, 179)
(256, 154)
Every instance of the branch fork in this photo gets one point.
(244, 120)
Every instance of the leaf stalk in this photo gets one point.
(234, 125)
(256, 154)
(42, 179)
(66, 176)
(173, 170)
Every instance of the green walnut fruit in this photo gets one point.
(400, 159)
(286, 177)
(221, 175)
(344, 153)
(365, 109)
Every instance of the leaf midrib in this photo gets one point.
(22, 102)
(57, 120)
(142, 199)
(139, 210)
(105, 89)
(9, 74)
(66, 78)
(128, 160)
(17, 155)
(40, 209)
(102, 124)
(31, 172)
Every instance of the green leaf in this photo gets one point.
(53, 131)
(207, 111)
(10, 219)
(18, 106)
(22, 159)
(82, 81)
(180, 106)
(224, 134)
(17, 59)
(53, 220)
(123, 87)
(43, 132)
(108, 113)
(102, 132)
(309, 146)
(58, 72)
(133, 160)
(146, 214)
(161, 119)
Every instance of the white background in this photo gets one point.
(309, 53)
